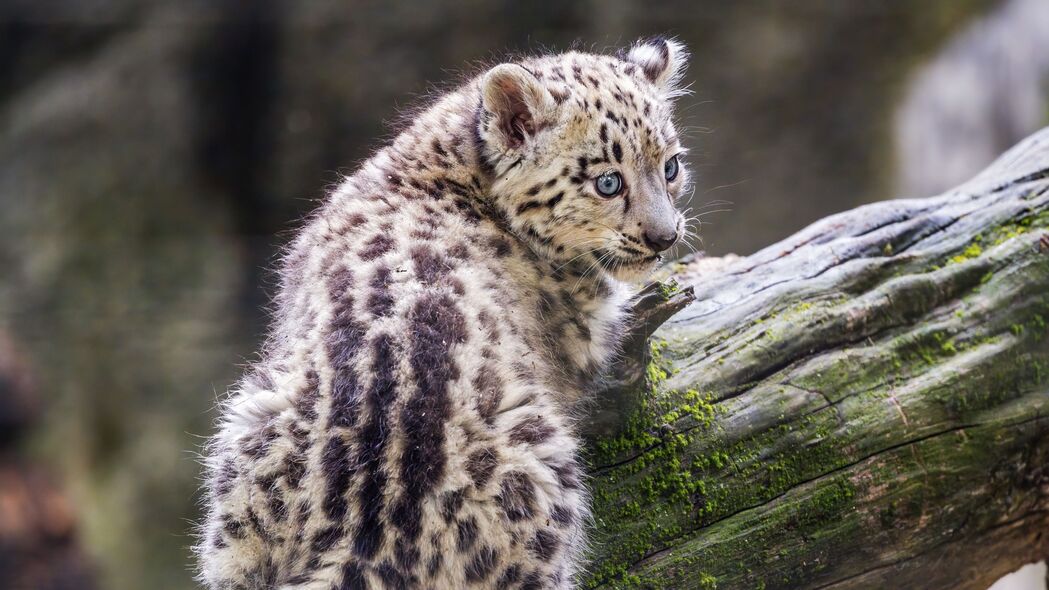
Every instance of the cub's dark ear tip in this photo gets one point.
(662, 59)
(659, 41)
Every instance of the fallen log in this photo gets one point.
(863, 405)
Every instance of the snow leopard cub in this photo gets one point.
(410, 422)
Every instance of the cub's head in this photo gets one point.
(586, 161)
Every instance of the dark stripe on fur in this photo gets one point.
(436, 325)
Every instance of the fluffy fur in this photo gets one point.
(439, 319)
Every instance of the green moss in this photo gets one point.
(656, 372)
(995, 237)
(973, 250)
(707, 581)
(669, 288)
(727, 550)
(1012, 230)
(665, 479)
(947, 346)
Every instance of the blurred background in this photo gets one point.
(154, 155)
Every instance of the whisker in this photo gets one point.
(574, 258)
(724, 186)
(592, 267)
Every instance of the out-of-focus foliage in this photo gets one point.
(154, 154)
(38, 544)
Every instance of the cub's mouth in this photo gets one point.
(629, 268)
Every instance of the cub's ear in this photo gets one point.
(518, 103)
(662, 60)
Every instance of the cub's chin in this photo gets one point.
(631, 270)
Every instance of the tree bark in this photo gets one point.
(863, 405)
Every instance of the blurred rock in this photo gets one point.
(986, 90)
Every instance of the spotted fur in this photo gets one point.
(410, 422)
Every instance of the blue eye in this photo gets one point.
(670, 169)
(609, 184)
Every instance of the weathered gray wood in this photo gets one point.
(863, 405)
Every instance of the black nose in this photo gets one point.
(659, 241)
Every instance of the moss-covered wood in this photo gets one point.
(864, 405)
